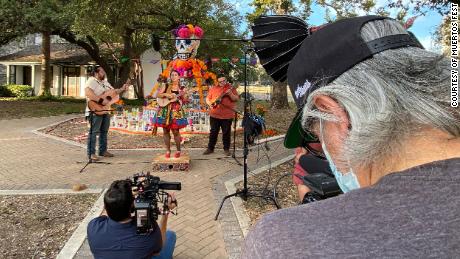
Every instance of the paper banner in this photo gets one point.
(124, 59)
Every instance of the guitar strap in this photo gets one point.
(168, 112)
(168, 88)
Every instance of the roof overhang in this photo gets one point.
(19, 63)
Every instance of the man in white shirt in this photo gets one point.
(95, 86)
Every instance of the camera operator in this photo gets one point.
(299, 171)
(305, 164)
(114, 235)
(379, 104)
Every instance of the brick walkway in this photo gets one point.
(29, 161)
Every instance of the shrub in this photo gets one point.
(5, 92)
(18, 90)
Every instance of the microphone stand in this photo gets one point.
(234, 131)
(90, 161)
(244, 193)
(234, 139)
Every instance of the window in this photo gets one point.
(27, 75)
(71, 81)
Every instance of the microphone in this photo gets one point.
(155, 42)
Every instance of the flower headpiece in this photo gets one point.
(187, 31)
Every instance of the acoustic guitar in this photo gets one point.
(218, 100)
(105, 100)
(164, 101)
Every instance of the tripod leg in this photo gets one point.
(90, 144)
(90, 134)
(234, 135)
(87, 163)
(274, 202)
(223, 200)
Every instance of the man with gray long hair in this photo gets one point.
(379, 105)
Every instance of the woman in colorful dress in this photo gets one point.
(172, 116)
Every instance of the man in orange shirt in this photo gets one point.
(221, 99)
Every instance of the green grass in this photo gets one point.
(44, 99)
(14, 108)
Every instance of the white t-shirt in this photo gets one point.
(98, 87)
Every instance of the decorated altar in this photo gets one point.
(194, 78)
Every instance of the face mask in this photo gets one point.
(347, 181)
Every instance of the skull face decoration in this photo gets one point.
(187, 41)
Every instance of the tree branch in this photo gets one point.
(93, 43)
(157, 12)
(146, 26)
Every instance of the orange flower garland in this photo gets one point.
(198, 71)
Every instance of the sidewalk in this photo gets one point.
(30, 161)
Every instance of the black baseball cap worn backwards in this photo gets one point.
(327, 53)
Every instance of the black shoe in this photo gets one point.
(227, 152)
(208, 151)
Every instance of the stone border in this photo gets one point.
(270, 139)
(58, 122)
(74, 243)
(237, 203)
(69, 142)
(228, 220)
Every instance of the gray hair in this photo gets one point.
(389, 97)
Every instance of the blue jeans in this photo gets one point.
(168, 246)
(100, 126)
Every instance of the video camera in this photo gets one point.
(148, 191)
(323, 186)
(320, 179)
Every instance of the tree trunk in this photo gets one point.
(125, 66)
(45, 83)
(279, 96)
(140, 80)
